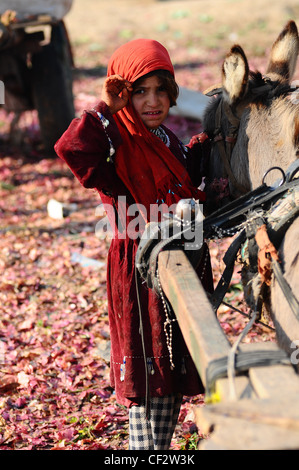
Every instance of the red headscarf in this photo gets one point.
(144, 163)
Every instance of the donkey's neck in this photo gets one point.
(271, 138)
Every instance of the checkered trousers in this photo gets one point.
(154, 433)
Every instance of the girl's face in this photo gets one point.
(151, 101)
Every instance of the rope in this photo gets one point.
(231, 360)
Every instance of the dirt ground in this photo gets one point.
(194, 31)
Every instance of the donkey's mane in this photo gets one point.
(276, 89)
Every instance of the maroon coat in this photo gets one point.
(85, 148)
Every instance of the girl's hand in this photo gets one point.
(115, 92)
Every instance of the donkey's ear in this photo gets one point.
(235, 73)
(284, 53)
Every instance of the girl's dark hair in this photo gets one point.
(167, 81)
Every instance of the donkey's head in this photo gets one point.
(253, 123)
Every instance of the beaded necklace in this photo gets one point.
(168, 322)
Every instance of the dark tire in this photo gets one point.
(52, 87)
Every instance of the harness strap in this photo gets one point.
(235, 212)
(229, 260)
(286, 289)
(256, 229)
(240, 188)
(159, 236)
(226, 144)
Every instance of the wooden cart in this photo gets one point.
(263, 411)
(36, 63)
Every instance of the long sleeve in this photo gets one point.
(199, 150)
(85, 147)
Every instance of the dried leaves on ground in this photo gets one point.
(54, 332)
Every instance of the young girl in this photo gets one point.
(122, 149)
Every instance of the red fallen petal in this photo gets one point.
(67, 434)
(20, 402)
(26, 325)
(101, 423)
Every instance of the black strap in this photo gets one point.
(229, 260)
(218, 368)
(150, 247)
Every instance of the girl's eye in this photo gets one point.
(138, 91)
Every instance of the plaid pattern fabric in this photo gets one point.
(156, 432)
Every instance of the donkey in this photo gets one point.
(253, 124)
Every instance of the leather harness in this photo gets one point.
(225, 143)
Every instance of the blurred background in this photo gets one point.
(197, 33)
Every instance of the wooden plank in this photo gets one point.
(274, 381)
(248, 422)
(263, 382)
(283, 413)
(242, 386)
(260, 346)
(202, 332)
(227, 433)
